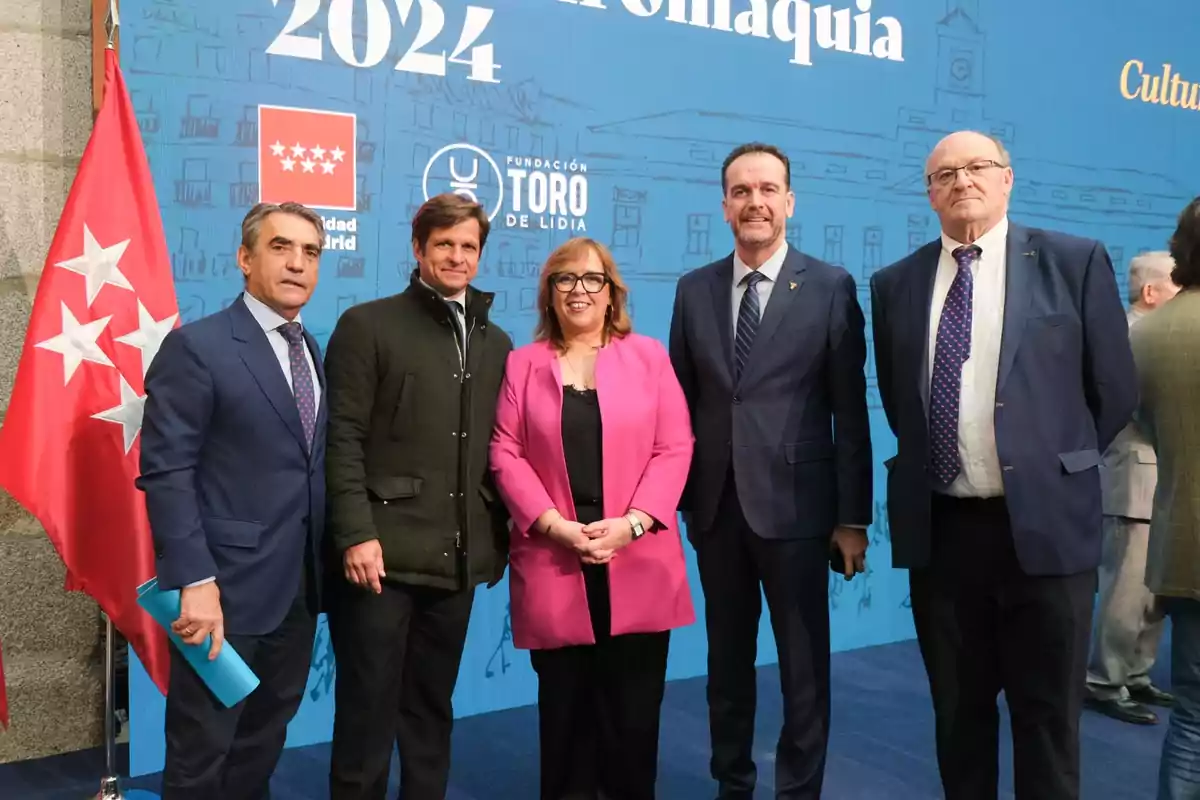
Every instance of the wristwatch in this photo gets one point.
(636, 525)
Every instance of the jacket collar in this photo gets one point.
(477, 303)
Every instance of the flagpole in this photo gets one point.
(110, 784)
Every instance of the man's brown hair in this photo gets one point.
(445, 211)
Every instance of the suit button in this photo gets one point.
(737, 399)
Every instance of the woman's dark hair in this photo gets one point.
(1185, 247)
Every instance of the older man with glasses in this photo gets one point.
(1005, 370)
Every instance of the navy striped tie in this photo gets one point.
(747, 322)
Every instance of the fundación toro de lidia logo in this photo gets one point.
(529, 191)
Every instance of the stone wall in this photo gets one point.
(51, 640)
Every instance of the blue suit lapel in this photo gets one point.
(1019, 272)
(256, 353)
(323, 406)
(920, 293)
(721, 294)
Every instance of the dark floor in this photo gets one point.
(881, 746)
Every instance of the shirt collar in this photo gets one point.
(769, 268)
(264, 315)
(990, 243)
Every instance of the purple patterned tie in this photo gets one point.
(951, 352)
(302, 384)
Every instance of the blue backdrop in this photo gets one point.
(611, 118)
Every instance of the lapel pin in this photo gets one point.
(1030, 253)
(791, 284)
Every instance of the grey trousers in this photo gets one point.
(1129, 620)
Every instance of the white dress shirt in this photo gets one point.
(769, 270)
(980, 475)
(271, 320)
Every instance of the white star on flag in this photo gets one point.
(288, 165)
(327, 167)
(297, 150)
(277, 149)
(308, 165)
(128, 414)
(98, 265)
(77, 343)
(318, 152)
(337, 153)
(149, 335)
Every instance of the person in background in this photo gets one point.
(1004, 369)
(770, 348)
(233, 469)
(590, 454)
(414, 519)
(1129, 622)
(1166, 348)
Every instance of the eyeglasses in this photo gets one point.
(947, 176)
(592, 282)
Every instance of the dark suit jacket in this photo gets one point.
(231, 489)
(1066, 387)
(795, 426)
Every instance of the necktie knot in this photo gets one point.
(753, 279)
(291, 332)
(966, 255)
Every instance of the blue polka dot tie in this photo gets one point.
(952, 350)
(302, 383)
(747, 322)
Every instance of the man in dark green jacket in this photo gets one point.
(412, 386)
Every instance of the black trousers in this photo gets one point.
(397, 664)
(734, 563)
(984, 626)
(598, 708)
(230, 753)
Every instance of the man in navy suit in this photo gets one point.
(1005, 371)
(769, 346)
(233, 467)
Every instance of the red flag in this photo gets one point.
(308, 156)
(3, 695)
(105, 301)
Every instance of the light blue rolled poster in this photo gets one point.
(227, 676)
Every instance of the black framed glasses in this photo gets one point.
(592, 282)
(947, 176)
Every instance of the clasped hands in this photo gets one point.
(594, 543)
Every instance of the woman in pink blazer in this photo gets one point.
(590, 453)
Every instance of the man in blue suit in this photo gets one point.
(1005, 371)
(770, 348)
(233, 467)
